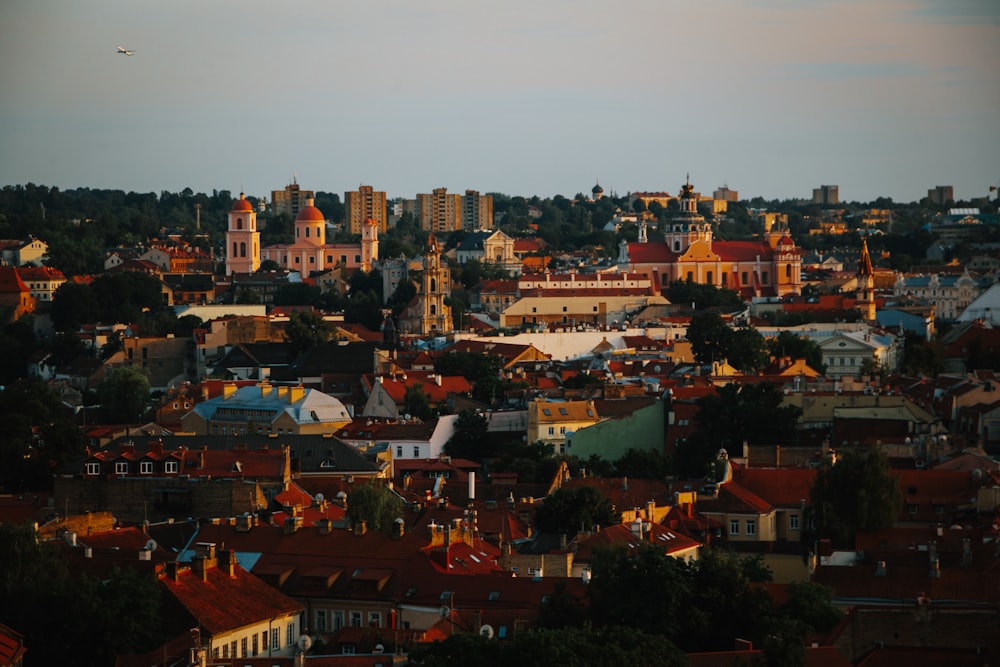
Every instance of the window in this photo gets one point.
(170, 466)
(743, 278)
(416, 450)
(374, 619)
(546, 412)
(290, 634)
(751, 527)
(256, 646)
(793, 522)
(399, 451)
(275, 639)
(320, 620)
(734, 527)
(243, 647)
(348, 649)
(355, 619)
(338, 620)
(563, 412)
(146, 467)
(93, 468)
(552, 430)
(121, 467)
(562, 430)
(912, 508)
(232, 646)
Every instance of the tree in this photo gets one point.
(855, 492)
(375, 504)
(788, 344)
(417, 403)
(570, 510)
(470, 438)
(734, 414)
(811, 603)
(747, 350)
(124, 394)
(306, 330)
(709, 337)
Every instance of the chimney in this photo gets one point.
(637, 527)
(472, 486)
(173, 570)
(201, 457)
(292, 524)
(200, 567)
(650, 509)
(227, 562)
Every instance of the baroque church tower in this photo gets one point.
(865, 294)
(369, 244)
(428, 313)
(689, 225)
(242, 238)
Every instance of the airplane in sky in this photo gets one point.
(126, 52)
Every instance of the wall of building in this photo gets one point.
(610, 439)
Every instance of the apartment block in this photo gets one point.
(363, 204)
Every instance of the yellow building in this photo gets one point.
(290, 200)
(551, 421)
(365, 204)
(264, 409)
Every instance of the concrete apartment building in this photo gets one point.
(477, 211)
(826, 194)
(290, 200)
(363, 204)
(439, 212)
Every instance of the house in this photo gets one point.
(140, 477)
(15, 296)
(266, 409)
(43, 281)
(12, 648)
(236, 615)
(552, 422)
(387, 393)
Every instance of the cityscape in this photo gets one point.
(360, 334)
(323, 429)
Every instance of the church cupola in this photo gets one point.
(310, 225)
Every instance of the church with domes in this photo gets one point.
(769, 267)
(308, 253)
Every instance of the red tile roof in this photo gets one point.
(223, 603)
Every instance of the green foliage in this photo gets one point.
(482, 370)
(857, 493)
(38, 433)
(417, 403)
(788, 344)
(570, 510)
(124, 394)
(709, 336)
(17, 340)
(683, 602)
(298, 294)
(306, 330)
(62, 614)
(375, 504)
(542, 647)
(736, 413)
(685, 293)
(641, 464)
(747, 350)
(811, 604)
(470, 436)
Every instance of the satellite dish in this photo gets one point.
(378, 649)
(444, 611)
(486, 630)
(320, 498)
(304, 642)
(150, 545)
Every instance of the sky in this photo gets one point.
(771, 98)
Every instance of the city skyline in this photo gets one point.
(772, 99)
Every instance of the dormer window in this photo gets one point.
(170, 467)
(121, 467)
(93, 468)
(146, 467)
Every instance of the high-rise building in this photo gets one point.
(290, 200)
(439, 212)
(725, 194)
(242, 239)
(477, 211)
(826, 194)
(365, 204)
(941, 194)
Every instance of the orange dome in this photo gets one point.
(242, 204)
(310, 214)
